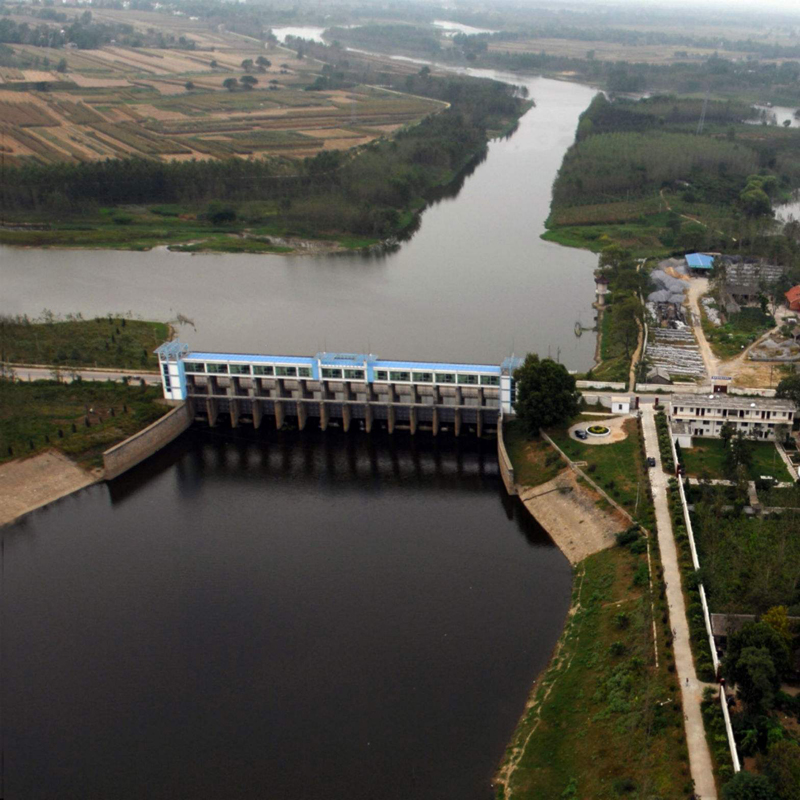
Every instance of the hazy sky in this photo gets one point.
(755, 6)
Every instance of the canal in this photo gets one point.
(284, 615)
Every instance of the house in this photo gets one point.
(620, 404)
(793, 298)
(701, 263)
(755, 417)
(745, 279)
(658, 375)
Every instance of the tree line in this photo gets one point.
(370, 192)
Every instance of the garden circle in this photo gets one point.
(598, 430)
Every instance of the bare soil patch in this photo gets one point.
(27, 484)
(568, 511)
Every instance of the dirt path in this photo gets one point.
(27, 484)
(569, 513)
(697, 288)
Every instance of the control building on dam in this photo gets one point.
(340, 389)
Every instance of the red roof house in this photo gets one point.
(793, 298)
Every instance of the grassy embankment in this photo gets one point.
(604, 720)
(110, 342)
(639, 175)
(707, 458)
(614, 364)
(80, 419)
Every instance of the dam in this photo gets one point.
(339, 389)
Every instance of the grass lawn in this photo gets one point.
(781, 498)
(738, 332)
(605, 722)
(32, 414)
(618, 468)
(749, 565)
(113, 342)
(534, 461)
(707, 459)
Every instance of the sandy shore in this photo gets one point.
(569, 513)
(27, 484)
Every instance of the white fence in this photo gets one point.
(706, 615)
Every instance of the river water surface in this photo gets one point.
(316, 616)
(475, 283)
(263, 615)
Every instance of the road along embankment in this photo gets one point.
(147, 442)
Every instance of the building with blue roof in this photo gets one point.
(700, 261)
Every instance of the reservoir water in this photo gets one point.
(301, 615)
(475, 283)
(318, 616)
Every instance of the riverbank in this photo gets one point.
(80, 419)
(66, 343)
(604, 718)
(30, 483)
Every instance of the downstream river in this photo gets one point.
(254, 614)
(475, 283)
(315, 616)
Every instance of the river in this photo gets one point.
(301, 615)
(316, 616)
(475, 283)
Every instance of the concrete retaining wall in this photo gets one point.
(144, 444)
(693, 388)
(506, 467)
(618, 386)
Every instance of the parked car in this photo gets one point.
(651, 462)
(581, 434)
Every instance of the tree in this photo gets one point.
(62, 65)
(248, 81)
(263, 62)
(188, 86)
(545, 393)
(230, 84)
(757, 679)
(213, 64)
(247, 64)
(726, 433)
(789, 388)
(625, 317)
(755, 202)
(781, 766)
(739, 454)
(777, 618)
(747, 786)
(757, 657)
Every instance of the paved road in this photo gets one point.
(691, 687)
(46, 373)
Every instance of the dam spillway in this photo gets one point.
(339, 389)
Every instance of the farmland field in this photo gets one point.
(171, 104)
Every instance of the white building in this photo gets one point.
(705, 414)
(620, 404)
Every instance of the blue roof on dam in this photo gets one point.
(345, 359)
